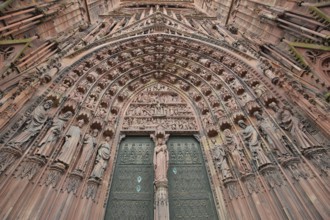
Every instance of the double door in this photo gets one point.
(132, 191)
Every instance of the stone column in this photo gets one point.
(162, 211)
(160, 161)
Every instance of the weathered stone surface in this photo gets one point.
(248, 80)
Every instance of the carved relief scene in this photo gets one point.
(157, 106)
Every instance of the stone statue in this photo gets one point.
(221, 161)
(49, 140)
(259, 89)
(32, 126)
(252, 140)
(292, 124)
(245, 98)
(272, 134)
(103, 155)
(72, 138)
(87, 150)
(159, 109)
(269, 73)
(236, 152)
(161, 158)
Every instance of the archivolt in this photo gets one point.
(221, 85)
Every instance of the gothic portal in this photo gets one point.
(188, 109)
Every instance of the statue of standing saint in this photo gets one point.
(272, 134)
(102, 158)
(87, 150)
(236, 152)
(297, 130)
(160, 160)
(32, 126)
(251, 138)
(72, 138)
(49, 140)
(220, 158)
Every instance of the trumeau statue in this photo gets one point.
(292, 124)
(102, 158)
(87, 150)
(236, 152)
(33, 125)
(252, 140)
(52, 136)
(272, 134)
(72, 138)
(161, 158)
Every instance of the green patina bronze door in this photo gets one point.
(131, 195)
(190, 194)
(132, 190)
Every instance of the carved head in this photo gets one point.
(107, 138)
(274, 106)
(258, 115)
(67, 115)
(242, 124)
(48, 104)
(160, 141)
(81, 122)
(95, 132)
(285, 114)
(227, 132)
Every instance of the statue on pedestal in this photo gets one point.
(160, 160)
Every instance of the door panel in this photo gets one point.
(131, 195)
(190, 195)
